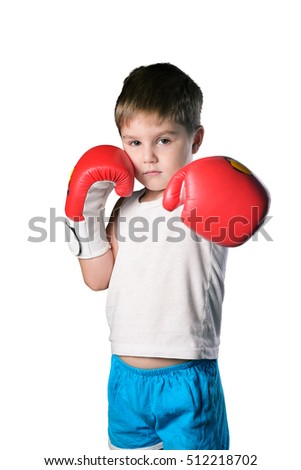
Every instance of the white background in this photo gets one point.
(62, 67)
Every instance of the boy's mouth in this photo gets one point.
(152, 173)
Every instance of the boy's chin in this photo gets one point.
(153, 185)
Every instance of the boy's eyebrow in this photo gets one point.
(165, 132)
(125, 136)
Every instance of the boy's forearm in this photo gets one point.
(97, 271)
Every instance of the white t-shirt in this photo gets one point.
(167, 286)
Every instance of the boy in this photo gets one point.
(166, 284)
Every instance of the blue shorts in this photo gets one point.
(179, 407)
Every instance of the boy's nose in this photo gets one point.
(149, 156)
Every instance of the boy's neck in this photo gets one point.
(149, 195)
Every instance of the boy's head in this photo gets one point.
(158, 117)
(163, 90)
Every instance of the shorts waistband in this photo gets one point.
(205, 363)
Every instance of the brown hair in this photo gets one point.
(164, 90)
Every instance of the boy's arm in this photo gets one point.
(97, 271)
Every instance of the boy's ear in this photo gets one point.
(198, 139)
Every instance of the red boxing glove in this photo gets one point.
(93, 178)
(223, 201)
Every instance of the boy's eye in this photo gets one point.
(163, 141)
(135, 143)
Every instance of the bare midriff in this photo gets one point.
(151, 362)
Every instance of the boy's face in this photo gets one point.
(158, 149)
